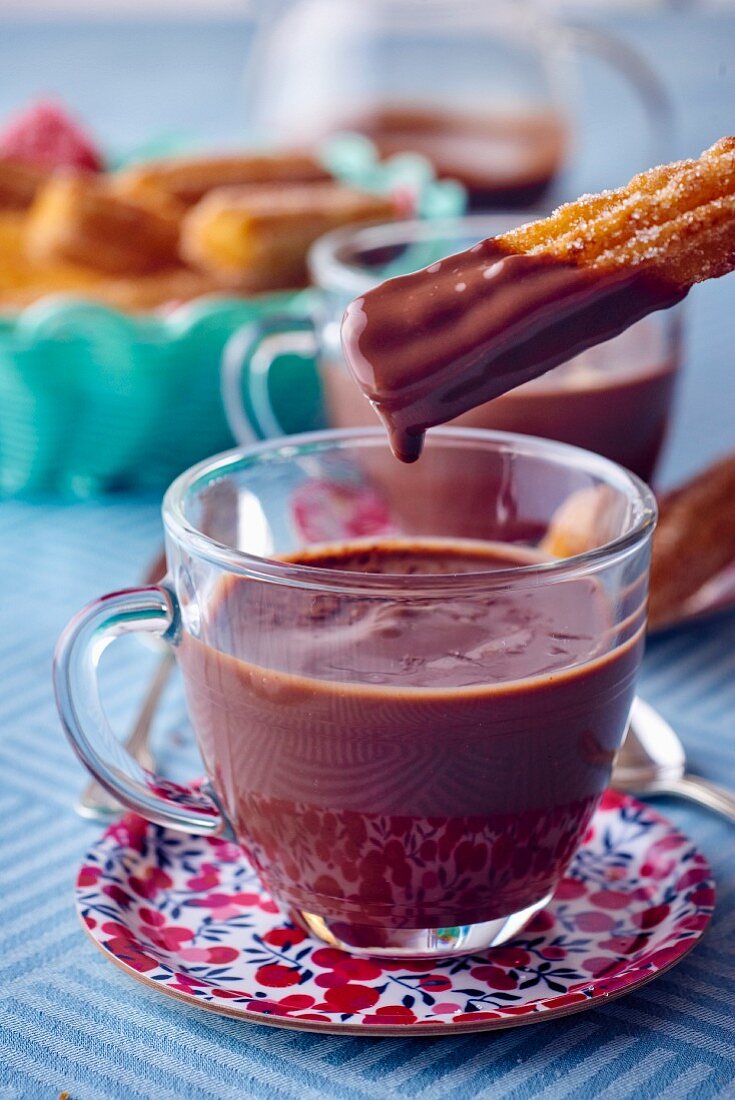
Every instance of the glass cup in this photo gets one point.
(615, 399)
(408, 758)
(498, 95)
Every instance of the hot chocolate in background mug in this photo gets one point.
(407, 715)
(495, 95)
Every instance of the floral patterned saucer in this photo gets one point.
(187, 916)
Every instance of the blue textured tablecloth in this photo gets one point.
(69, 1020)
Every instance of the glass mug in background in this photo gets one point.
(615, 399)
(489, 92)
(408, 758)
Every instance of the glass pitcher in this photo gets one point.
(485, 90)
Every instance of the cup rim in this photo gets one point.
(330, 272)
(300, 575)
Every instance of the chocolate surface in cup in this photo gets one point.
(408, 760)
(432, 345)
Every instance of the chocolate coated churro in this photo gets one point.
(428, 346)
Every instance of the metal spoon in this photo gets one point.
(651, 761)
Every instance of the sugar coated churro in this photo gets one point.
(677, 220)
(428, 346)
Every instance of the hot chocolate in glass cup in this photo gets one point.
(407, 720)
(615, 399)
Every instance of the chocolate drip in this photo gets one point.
(429, 346)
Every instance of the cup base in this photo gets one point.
(416, 943)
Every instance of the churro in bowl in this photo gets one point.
(120, 291)
(258, 238)
(186, 180)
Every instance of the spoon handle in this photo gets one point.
(705, 793)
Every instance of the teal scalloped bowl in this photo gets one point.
(93, 400)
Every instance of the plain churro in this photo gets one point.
(256, 239)
(694, 540)
(19, 183)
(185, 180)
(587, 519)
(136, 294)
(81, 235)
(428, 346)
(23, 280)
(78, 220)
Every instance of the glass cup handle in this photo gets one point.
(247, 359)
(651, 90)
(152, 610)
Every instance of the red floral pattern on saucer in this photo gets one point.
(188, 914)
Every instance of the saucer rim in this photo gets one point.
(393, 1031)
